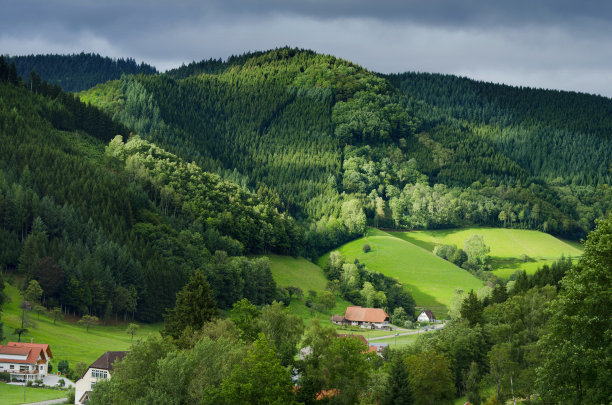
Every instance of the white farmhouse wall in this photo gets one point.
(423, 317)
(86, 383)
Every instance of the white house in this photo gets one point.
(25, 361)
(426, 316)
(100, 369)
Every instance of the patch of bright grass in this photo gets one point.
(67, 340)
(507, 246)
(430, 279)
(13, 394)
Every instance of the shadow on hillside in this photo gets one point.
(426, 301)
(508, 262)
(405, 236)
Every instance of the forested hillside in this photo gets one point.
(78, 72)
(555, 135)
(119, 228)
(336, 142)
(289, 134)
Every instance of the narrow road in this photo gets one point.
(49, 402)
(411, 332)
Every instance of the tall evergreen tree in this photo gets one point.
(471, 309)
(194, 307)
(398, 384)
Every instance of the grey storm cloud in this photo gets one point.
(547, 43)
(470, 13)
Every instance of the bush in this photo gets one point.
(63, 366)
(4, 376)
(29, 383)
(70, 396)
(366, 248)
(493, 400)
(446, 252)
(50, 368)
(61, 383)
(399, 316)
(459, 257)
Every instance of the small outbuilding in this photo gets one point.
(426, 316)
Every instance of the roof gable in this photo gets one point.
(429, 314)
(32, 351)
(106, 361)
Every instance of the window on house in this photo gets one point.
(12, 367)
(99, 374)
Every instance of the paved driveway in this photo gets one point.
(53, 379)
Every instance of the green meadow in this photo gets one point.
(507, 246)
(430, 279)
(68, 340)
(299, 272)
(13, 394)
(399, 340)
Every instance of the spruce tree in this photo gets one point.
(398, 386)
(472, 308)
(194, 307)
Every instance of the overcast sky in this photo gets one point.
(558, 44)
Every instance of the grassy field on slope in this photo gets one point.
(431, 280)
(507, 245)
(299, 272)
(13, 394)
(69, 341)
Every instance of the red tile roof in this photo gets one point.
(359, 314)
(43, 346)
(33, 352)
(14, 350)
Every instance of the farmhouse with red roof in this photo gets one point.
(25, 361)
(373, 318)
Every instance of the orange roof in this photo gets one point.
(43, 346)
(359, 314)
(32, 353)
(24, 351)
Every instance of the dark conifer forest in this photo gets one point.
(78, 72)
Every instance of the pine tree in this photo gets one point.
(398, 385)
(471, 309)
(194, 307)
